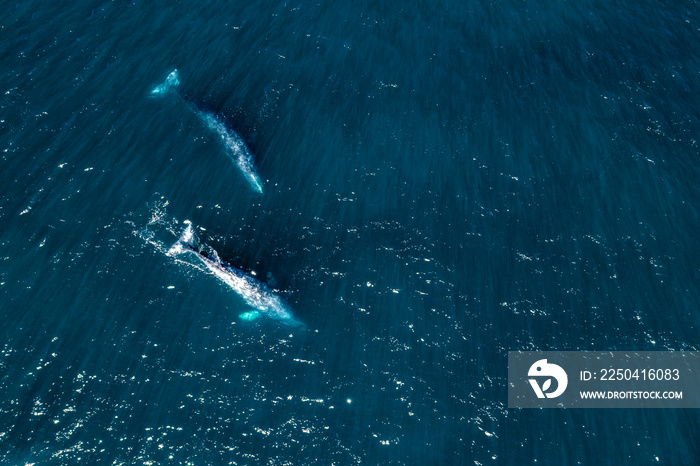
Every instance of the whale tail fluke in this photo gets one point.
(170, 83)
(184, 243)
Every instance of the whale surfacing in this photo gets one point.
(256, 294)
(237, 149)
(235, 146)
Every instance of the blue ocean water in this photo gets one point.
(443, 182)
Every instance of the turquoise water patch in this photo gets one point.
(248, 316)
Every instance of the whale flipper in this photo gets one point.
(170, 83)
(250, 315)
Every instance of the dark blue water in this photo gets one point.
(443, 182)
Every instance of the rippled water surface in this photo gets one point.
(443, 182)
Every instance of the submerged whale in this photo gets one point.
(255, 293)
(235, 145)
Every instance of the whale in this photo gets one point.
(262, 300)
(234, 144)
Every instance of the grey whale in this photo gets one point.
(256, 294)
(235, 145)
